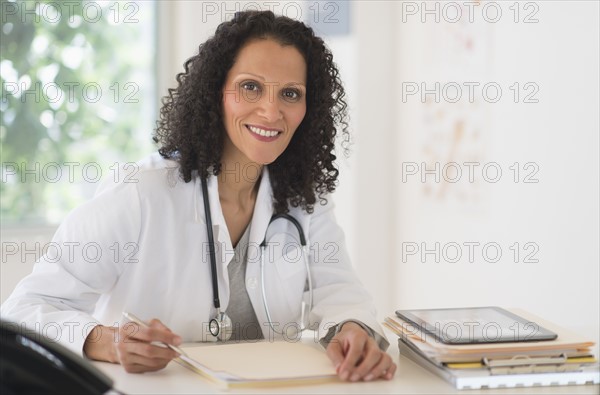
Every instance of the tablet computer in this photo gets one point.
(475, 325)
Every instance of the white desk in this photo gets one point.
(409, 379)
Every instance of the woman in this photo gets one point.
(249, 132)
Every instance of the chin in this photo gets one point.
(265, 162)
(264, 159)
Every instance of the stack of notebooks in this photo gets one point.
(489, 347)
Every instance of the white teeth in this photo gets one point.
(262, 132)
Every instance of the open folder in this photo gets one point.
(260, 364)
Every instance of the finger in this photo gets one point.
(137, 357)
(144, 354)
(156, 332)
(356, 345)
(372, 356)
(146, 361)
(157, 324)
(137, 363)
(390, 372)
(381, 369)
(133, 368)
(151, 351)
(335, 353)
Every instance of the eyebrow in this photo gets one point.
(263, 78)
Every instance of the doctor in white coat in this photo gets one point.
(141, 244)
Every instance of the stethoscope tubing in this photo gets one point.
(303, 242)
(211, 247)
(222, 317)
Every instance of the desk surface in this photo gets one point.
(409, 379)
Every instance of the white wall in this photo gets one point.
(20, 249)
(558, 135)
(374, 125)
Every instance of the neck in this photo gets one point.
(240, 192)
(238, 181)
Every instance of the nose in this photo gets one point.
(270, 109)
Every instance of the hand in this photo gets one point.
(136, 353)
(357, 356)
(131, 346)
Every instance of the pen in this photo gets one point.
(138, 321)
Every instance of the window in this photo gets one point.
(78, 97)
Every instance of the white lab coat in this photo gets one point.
(140, 245)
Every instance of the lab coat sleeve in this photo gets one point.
(83, 261)
(381, 340)
(338, 294)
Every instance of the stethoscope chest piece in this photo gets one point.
(221, 327)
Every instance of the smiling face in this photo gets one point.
(264, 101)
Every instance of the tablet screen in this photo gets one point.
(475, 325)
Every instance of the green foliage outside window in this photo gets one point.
(78, 96)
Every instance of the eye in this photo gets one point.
(250, 86)
(291, 94)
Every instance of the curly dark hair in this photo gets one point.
(191, 128)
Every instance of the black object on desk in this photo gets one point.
(31, 363)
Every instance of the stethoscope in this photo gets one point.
(220, 326)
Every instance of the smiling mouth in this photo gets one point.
(263, 134)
